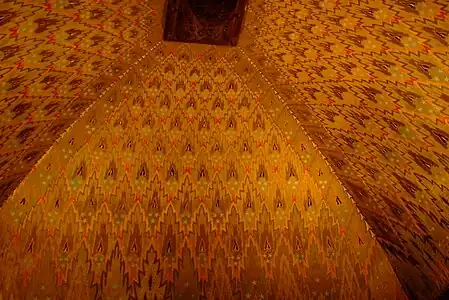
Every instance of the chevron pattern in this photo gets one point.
(57, 57)
(353, 93)
(368, 81)
(178, 184)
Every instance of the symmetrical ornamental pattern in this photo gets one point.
(368, 81)
(177, 184)
(56, 59)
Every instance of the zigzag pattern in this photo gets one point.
(367, 80)
(59, 50)
(178, 183)
(375, 80)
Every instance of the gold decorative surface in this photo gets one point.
(56, 58)
(368, 81)
(177, 184)
(365, 80)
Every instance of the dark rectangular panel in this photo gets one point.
(216, 22)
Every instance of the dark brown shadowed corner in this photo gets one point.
(214, 22)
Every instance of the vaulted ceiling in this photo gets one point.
(366, 81)
(58, 57)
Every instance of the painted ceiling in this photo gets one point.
(309, 161)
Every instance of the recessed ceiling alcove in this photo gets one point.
(216, 22)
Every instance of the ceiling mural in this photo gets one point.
(56, 58)
(178, 179)
(369, 84)
(315, 149)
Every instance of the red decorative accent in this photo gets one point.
(395, 19)
(14, 32)
(20, 64)
(306, 168)
(349, 52)
(51, 38)
(444, 119)
(50, 68)
(411, 80)
(442, 14)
